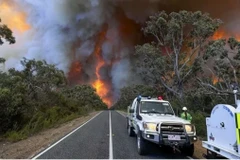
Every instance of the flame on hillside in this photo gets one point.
(221, 34)
(75, 70)
(107, 75)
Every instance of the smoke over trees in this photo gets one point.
(174, 57)
(39, 97)
(183, 57)
(92, 42)
(66, 33)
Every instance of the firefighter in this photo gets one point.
(185, 115)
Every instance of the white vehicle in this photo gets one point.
(223, 131)
(153, 120)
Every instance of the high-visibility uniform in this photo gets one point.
(186, 116)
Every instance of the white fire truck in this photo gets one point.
(223, 131)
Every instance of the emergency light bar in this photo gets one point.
(149, 97)
(160, 98)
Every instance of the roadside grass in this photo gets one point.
(52, 117)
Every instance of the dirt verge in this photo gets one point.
(29, 147)
(199, 150)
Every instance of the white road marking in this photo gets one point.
(110, 137)
(121, 114)
(65, 137)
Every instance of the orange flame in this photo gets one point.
(100, 86)
(13, 19)
(75, 70)
(214, 80)
(221, 34)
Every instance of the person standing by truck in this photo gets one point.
(185, 115)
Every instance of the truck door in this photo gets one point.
(135, 115)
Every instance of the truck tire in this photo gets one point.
(188, 150)
(211, 155)
(130, 130)
(141, 144)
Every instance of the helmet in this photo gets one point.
(184, 108)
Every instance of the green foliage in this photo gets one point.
(38, 97)
(225, 58)
(6, 33)
(173, 58)
(199, 120)
(85, 95)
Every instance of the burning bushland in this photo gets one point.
(93, 41)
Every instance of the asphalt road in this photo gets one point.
(92, 141)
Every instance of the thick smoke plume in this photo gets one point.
(92, 40)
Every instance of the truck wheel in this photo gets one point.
(211, 155)
(141, 144)
(130, 130)
(188, 150)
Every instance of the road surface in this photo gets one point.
(93, 140)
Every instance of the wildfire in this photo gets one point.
(100, 86)
(75, 71)
(215, 80)
(12, 18)
(222, 34)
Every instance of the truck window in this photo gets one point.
(156, 107)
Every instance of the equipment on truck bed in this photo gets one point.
(223, 130)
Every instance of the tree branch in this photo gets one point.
(159, 41)
(234, 70)
(189, 58)
(170, 89)
(176, 60)
(214, 88)
(190, 70)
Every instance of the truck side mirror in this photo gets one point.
(131, 111)
(139, 117)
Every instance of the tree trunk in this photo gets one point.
(181, 94)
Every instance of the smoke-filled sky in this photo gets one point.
(92, 40)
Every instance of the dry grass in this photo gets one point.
(27, 148)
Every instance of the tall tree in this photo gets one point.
(173, 57)
(224, 55)
(6, 33)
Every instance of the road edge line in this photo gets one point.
(110, 137)
(121, 114)
(47, 149)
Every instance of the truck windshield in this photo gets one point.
(156, 107)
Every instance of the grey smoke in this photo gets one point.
(64, 31)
